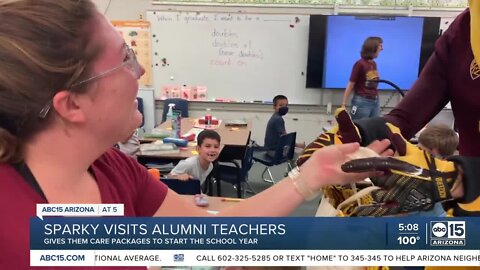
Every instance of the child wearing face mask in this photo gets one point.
(276, 125)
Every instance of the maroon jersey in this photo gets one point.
(450, 74)
(120, 180)
(363, 71)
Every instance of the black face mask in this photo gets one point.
(283, 110)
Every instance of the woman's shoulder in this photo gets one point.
(459, 29)
(114, 157)
(123, 179)
(117, 166)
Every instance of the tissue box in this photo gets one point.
(202, 121)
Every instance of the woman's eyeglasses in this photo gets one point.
(130, 62)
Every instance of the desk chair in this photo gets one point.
(140, 109)
(180, 105)
(283, 153)
(229, 154)
(235, 172)
(190, 187)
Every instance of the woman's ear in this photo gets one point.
(68, 106)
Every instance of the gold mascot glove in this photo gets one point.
(474, 29)
(413, 181)
(345, 132)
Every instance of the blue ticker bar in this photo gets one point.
(290, 233)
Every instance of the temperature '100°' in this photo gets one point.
(408, 239)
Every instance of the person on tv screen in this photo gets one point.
(365, 101)
(452, 74)
(68, 85)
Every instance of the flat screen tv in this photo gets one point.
(335, 43)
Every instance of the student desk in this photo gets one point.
(233, 139)
(228, 135)
(214, 203)
(236, 136)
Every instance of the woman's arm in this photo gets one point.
(347, 92)
(323, 168)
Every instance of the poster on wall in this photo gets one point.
(137, 35)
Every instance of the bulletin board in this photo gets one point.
(137, 35)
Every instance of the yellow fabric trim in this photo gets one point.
(472, 207)
(305, 156)
(338, 111)
(416, 157)
(475, 28)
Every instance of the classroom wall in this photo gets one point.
(307, 120)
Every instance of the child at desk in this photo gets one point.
(276, 125)
(131, 145)
(200, 166)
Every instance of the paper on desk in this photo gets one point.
(192, 131)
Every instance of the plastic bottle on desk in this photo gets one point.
(208, 117)
(176, 124)
(170, 115)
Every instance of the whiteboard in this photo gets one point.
(237, 56)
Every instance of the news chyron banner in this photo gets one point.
(289, 241)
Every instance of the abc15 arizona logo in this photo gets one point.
(447, 233)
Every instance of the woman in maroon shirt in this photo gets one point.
(365, 102)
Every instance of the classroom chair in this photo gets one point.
(140, 109)
(190, 187)
(180, 105)
(283, 153)
(229, 154)
(236, 171)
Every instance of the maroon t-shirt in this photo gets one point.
(120, 180)
(363, 71)
(450, 74)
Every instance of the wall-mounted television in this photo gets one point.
(335, 43)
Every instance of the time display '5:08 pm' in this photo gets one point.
(408, 227)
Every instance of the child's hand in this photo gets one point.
(184, 177)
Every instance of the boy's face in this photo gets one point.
(209, 149)
(280, 103)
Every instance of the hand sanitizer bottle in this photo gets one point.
(176, 124)
(170, 115)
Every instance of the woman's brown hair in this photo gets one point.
(370, 47)
(43, 49)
